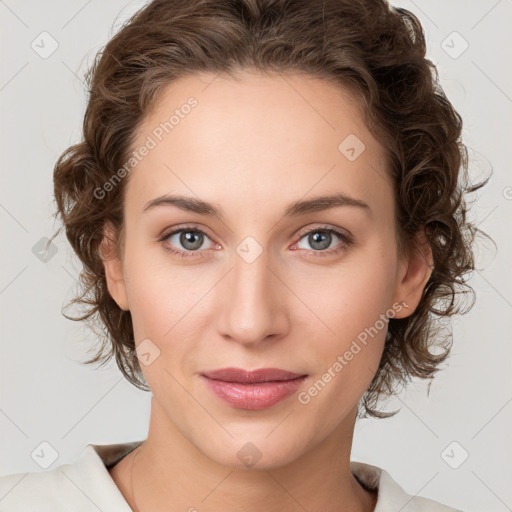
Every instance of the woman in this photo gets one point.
(268, 203)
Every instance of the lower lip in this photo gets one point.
(254, 396)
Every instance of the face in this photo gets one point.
(250, 282)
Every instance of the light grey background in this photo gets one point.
(47, 395)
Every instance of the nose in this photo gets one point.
(252, 301)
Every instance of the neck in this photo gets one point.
(171, 474)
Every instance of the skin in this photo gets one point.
(252, 146)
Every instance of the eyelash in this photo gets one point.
(347, 241)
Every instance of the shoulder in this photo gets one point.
(42, 491)
(428, 505)
(84, 485)
(391, 496)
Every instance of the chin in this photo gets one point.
(254, 452)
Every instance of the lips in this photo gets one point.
(256, 389)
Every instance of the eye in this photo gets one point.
(189, 241)
(185, 241)
(320, 239)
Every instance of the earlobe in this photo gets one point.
(414, 274)
(113, 271)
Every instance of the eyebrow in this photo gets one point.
(295, 209)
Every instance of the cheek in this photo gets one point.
(350, 299)
(167, 307)
(346, 359)
(159, 295)
(350, 305)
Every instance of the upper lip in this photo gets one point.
(259, 375)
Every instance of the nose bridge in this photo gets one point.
(252, 310)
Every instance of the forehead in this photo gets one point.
(225, 139)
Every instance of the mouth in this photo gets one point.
(252, 390)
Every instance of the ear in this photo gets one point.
(113, 269)
(414, 272)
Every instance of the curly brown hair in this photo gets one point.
(367, 46)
